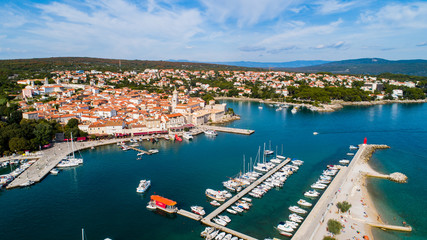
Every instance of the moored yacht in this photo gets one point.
(215, 195)
(187, 136)
(344, 161)
(296, 209)
(311, 193)
(210, 132)
(304, 203)
(198, 210)
(143, 186)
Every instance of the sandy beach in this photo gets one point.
(362, 214)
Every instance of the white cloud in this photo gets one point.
(245, 12)
(333, 6)
(411, 15)
(423, 44)
(117, 27)
(336, 45)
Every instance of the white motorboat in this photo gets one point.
(285, 227)
(350, 154)
(298, 162)
(268, 152)
(294, 110)
(215, 203)
(344, 161)
(215, 195)
(352, 147)
(210, 132)
(198, 210)
(220, 236)
(296, 209)
(153, 150)
(224, 218)
(187, 136)
(151, 206)
(315, 133)
(220, 222)
(281, 157)
(247, 199)
(311, 193)
(287, 234)
(324, 177)
(318, 186)
(227, 237)
(304, 203)
(143, 186)
(295, 216)
(231, 211)
(54, 171)
(323, 181)
(237, 209)
(140, 154)
(276, 160)
(213, 234)
(207, 231)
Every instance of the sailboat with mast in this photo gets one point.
(71, 160)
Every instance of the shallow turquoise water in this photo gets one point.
(100, 196)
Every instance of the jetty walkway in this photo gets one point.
(207, 220)
(51, 157)
(229, 129)
(310, 225)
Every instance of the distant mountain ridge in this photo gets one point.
(291, 64)
(370, 66)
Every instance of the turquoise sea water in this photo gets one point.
(100, 195)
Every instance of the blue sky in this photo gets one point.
(214, 30)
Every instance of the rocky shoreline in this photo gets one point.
(333, 106)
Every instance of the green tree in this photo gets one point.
(343, 206)
(19, 144)
(334, 226)
(43, 133)
(328, 238)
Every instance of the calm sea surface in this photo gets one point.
(100, 195)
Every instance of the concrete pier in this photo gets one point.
(189, 214)
(51, 157)
(207, 220)
(229, 130)
(139, 150)
(316, 215)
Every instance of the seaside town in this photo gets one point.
(102, 109)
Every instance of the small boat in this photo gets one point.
(215, 203)
(198, 210)
(287, 234)
(281, 157)
(213, 234)
(315, 133)
(151, 206)
(294, 110)
(220, 236)
(304, 203)
(140, 154)
(296, 209)
(220, 222)
(352, 147)
(260, 107)
(227, 237)
(206, 232)
(215, 195)
(350, 154)
(231, 211)
(268, 152)
(54, 171)
(311, 193)
(92, 147)
(224, 218)
(143, 186)
(210, 132)
(344, 161)
(298, 162)
(318, 186)
(247, 199)
(237, 209)
(285, 227)
(187, 136)
(153, 150)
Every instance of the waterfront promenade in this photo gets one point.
(349, 185)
